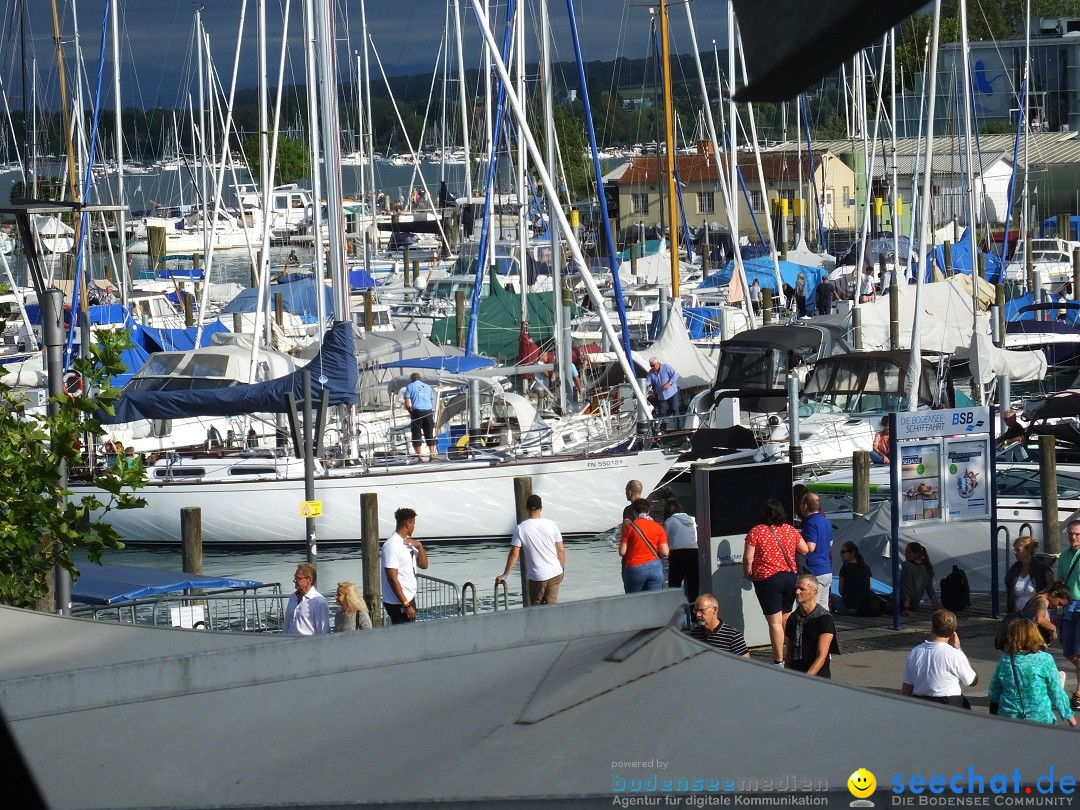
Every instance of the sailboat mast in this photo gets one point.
(562, 341)
(911, 384)
(123, 282)
(669, 143)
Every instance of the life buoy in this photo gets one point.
(73, 383)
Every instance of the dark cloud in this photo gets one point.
(158, 40)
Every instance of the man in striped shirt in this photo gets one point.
(710, 628)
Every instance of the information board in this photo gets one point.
(967, 478)
(920, 482)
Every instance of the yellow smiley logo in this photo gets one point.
(861, 783)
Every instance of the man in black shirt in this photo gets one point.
(810, 631)
(710, 628)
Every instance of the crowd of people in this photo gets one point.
(791, 573)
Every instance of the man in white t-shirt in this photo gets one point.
(938, 669)
(545, 557)
(401, 555)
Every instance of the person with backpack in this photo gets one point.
(916, 579)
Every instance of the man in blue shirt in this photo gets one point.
(420, 403)
(817, 532)
(665, 384)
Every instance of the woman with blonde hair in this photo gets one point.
(1025, 683)
(352, 612)
(1027, 576)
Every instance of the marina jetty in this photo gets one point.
(595, 703)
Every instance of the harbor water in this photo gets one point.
(592, 565)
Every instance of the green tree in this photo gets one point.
(33, 501)
(576, 169)
(48, 188)
(293, 161)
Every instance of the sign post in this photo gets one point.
(942, 469)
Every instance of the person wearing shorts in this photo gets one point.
(420, 403)
(769, 562)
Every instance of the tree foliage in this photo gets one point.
(292, 162)
(33, 500)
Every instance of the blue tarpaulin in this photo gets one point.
(1051, 224)
(298, 298)
(335, 364)
(114, 584)
(961, 260)
(359, 279)
(457, 364)
(762, 270)
(173, 340)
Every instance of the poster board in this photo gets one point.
(967, 478)
(920, 482)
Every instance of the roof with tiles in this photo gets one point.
(704, 168)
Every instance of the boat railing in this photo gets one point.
(252, 610)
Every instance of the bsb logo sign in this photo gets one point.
(934, 424)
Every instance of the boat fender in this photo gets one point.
(73, 383)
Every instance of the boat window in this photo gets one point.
(1019, 483)
(213, 365)
(253, 471)
(748, 367)
(161, 365)
(180, 472)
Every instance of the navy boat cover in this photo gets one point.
(333, 368)
(114, 584)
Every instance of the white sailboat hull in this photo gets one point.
(455, 501)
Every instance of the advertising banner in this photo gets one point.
(967, 478)
(920, 482)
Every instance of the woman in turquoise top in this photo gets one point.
(1026, 683)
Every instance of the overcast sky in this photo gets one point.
(157, 39)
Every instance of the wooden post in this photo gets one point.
(459, 314)
(155, 240)
(1076, 274)
(258, 264)
(947, 246)
(981, 262)
(196, 260)
(238, 322)
(1029, 263)
(415, 270)
(369, 315)
(191, 539)
(189, 314)
(766, 305)
(856, 327)
(860, 477)
(371, 575)
(633, 259)
(522, 491)
(279, 309)
(1064, 227)
(894, 312)
(1048, 485)
(405, 256)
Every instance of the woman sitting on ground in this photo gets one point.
(1025, 683)
(916, 579)
(857, 598)
(1055, 597)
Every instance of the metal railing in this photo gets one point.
(250, 610)
(437, 598)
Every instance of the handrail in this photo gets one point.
(505, 596)
(468, 586)
(1021, 532)
(1008, 543)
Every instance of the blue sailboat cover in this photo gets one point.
(113, 584)
(335, 362)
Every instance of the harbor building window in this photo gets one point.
(706, 202)
(639, 203)
(757, 200)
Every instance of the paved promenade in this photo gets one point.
(873, 654)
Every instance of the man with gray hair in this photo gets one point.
(664, 382)
(810, 631)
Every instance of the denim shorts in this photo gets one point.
(776, 594)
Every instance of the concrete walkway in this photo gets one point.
(873, 654)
